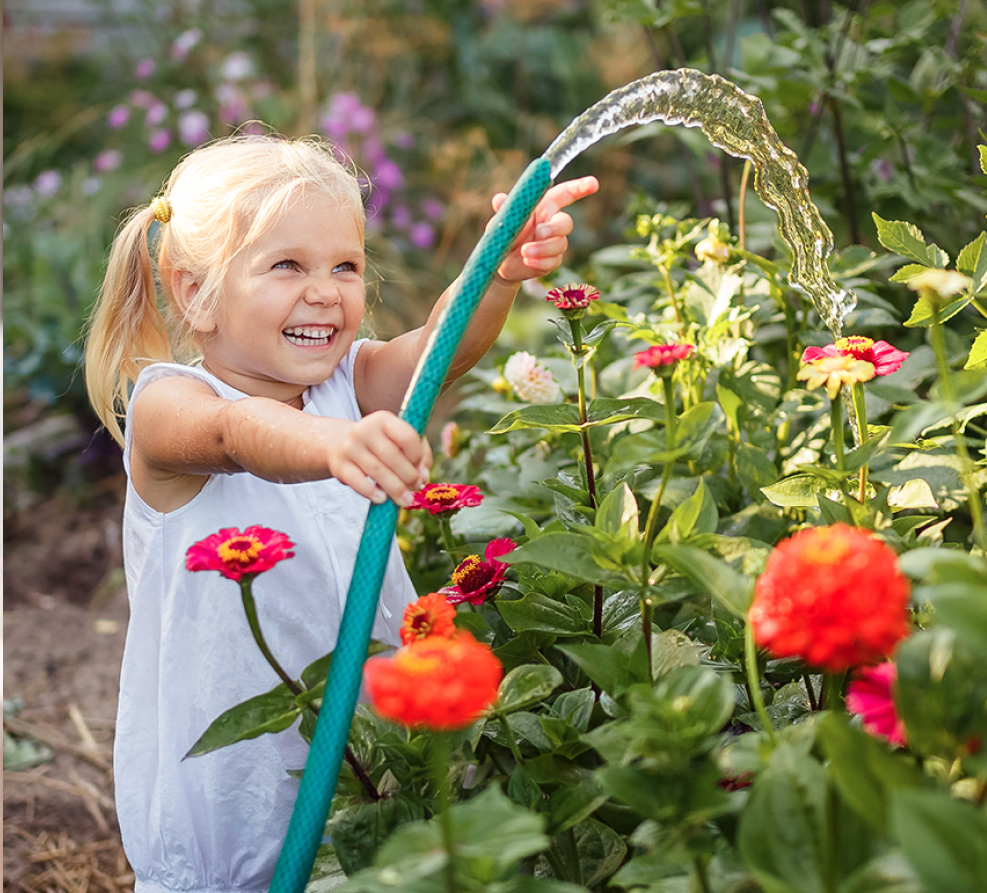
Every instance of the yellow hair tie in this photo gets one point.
(162, 209)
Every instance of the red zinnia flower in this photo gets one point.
(882, 356)
(833, 596)
(475, 580)
(434, 683)
(235, 554)
(663, 355)
(444, 499)
(431, 615)
(871, 696)
(572, 297)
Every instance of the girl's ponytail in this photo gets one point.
(127, 329)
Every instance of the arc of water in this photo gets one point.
(343, 683)
(735, 122)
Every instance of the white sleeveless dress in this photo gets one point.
(217, 822)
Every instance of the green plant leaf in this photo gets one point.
(273, 711)
(730, 588)
(945, 839)
(978, 353)
(551, 417)
(571, 804)
(796, 491)
(907, 240)
(567, 552)
(922, 312)
(539, 613)
(526, 685)
(972, 260)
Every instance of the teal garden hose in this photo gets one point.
(321, 774)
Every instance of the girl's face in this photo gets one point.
(291, 303)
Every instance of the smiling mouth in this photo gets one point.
(309, 336)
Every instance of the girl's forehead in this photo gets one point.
(310, 216)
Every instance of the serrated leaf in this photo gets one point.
(972, 260)
(922, 311)
(978, 353)
(983, 158)
(907, 240)
(272, 711)
(907, 272)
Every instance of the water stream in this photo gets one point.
(735, 122)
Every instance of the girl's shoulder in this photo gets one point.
(157, 371)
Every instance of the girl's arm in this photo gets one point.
(183, 432)
(383, 369)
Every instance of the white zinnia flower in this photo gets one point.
(531, 381)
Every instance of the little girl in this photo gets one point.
(282, 419)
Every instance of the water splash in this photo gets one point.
(735, 122)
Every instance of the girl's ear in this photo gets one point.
(184, 290)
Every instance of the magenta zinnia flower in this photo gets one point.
(871, 696)
(444, 499)
(476, 579)
(663, 355)
(236, 554)
(572, 297)
(882, 356)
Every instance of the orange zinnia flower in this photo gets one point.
(434, 683)
(444, 499)
(431, 615)
(236, 554)
(832, 596)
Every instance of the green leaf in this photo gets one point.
(797, 491)
(908, 271)
(783, 834)
(865, 770)
(600, 850)
(551, 417)
(978, 353)
(945, 839)
(610, 668)
(273, 711)
(695, 515)
(618, 508)
(922, 312)
(907, 240)
(755, 469)
(539, 613)
(983, 158)
(571, 804)
(972, 260)
(730, 588)
(526, 685)
(567, 552)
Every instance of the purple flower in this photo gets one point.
(119, 116)
(193, 127)
(389, 175)
(401, 217)
(185, 99)
(159, 140)
(402, 139)
(142, 99)
(155, 114)
(422, 235)
(432, 209)
(185, 43)
(233, 107)
(144, 69)
(48, 183)
(107, 160)
(237, 67)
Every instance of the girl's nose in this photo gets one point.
(322, 291)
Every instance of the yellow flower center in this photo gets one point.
(425, 658)
(827, 549)
(443, 494)
(472, 573)
(858, 346)
(240, 551)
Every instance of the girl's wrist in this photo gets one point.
(505, 283)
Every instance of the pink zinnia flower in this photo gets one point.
(663, 355)
(476, 579)
(882, 356)
(573, 296)
(445, 499)
(236, 554)
(871, 696)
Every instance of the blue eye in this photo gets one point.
(345, 267)
(286, 264)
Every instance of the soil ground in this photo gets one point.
(64, 618)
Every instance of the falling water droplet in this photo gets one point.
(733, 121)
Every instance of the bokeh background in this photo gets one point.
(441, 103)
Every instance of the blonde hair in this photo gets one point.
(222, 197)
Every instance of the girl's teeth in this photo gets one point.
(309, 336)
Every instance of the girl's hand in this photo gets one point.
(541, 245)
(382, 456)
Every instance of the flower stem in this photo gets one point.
(250, 608)
(511, 739)
(440, 777)
(860, 409)
(445, 526)
(670, 287)
(754, 682)
(966, 465)
(575, 326)
(832, 692)
(836, 423)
